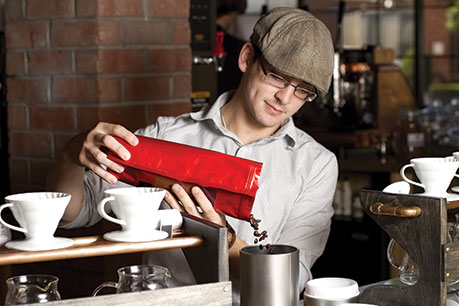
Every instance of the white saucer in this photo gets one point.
(30, 245)
(455, 189)
(120, 236)
(449, 196)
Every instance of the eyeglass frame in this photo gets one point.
(286, 83)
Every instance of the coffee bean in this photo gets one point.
(259, 237)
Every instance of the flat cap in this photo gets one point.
(296, 43)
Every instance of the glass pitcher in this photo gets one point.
(138, 278)
(409, 272)
(32, 288)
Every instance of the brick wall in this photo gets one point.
(72, 63)
(435, 31)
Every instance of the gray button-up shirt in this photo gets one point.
(296, 186)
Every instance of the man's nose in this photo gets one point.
(285, 95)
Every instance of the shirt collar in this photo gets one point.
(212, 112)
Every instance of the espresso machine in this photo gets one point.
(351, 102)
(366, 92)
(353, 93)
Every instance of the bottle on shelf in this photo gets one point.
(411, 137)
(338, 199)
(357, 211)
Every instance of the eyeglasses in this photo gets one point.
(281, 83)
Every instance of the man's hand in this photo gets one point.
(182, 201)
(89, 149)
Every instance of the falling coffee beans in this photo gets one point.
(259, 237)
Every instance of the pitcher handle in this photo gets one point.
(103, 214)
(390, 257)
(402, 174)
(104, 285)
(15, 228)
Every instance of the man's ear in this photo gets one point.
(246, 56)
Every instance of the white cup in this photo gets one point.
(330, 291)
(38, 214)
(435, 174)
(456, 156)
(136, 209)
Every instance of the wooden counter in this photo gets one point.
(198, 239)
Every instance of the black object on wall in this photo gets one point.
(204, 66)
(4, 157)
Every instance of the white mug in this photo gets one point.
(435, 174)
(136, 209)
(330, 291)
(38, 214)
(456, 156)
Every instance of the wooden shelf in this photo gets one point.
(204, 246)
(95, 246)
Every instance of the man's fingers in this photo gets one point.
(172, 201)
(187, 203)
(208, 211)
(106, 176)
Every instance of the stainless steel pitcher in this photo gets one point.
(269, 276)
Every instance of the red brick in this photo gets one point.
(109, 90)
(120, 8)
(181, 33)
(39, 170)
(17, 117)
(30, 144)
(171, 60)
(147, 88)
(176, 8)
(13, 10)
(168, 109)
(50, 62)
(86, 61)
(87, 118)
(109, 33)
(15, 63)
(49, 9)
(87, 90)
(146, 32)
(121, 61)
(85, 33)
(74, 90)
(86, 8)
(181, 86)
(131, 117)
(25, 35)
(52, 118)
(30, 91)
(19, 169)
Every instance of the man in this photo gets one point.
(289, 58)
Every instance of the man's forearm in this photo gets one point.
(233, 254)
(66, 176)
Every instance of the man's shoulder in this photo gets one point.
(306, 141)
(164, 123)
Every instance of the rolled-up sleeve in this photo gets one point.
(94, 188)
